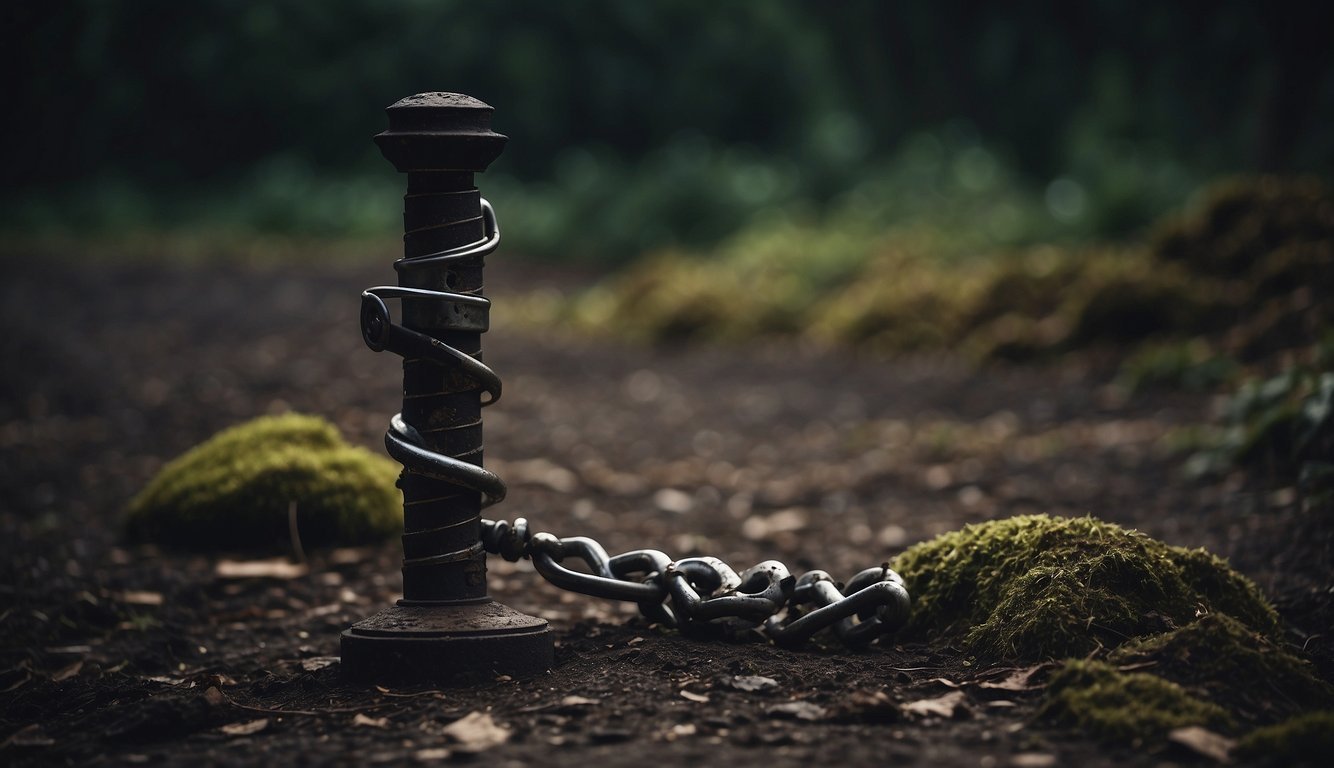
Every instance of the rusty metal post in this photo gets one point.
(446, 629)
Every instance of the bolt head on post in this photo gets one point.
(446, 629)
(440, 132)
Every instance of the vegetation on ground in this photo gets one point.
(236, 491)
(1134, 708)
(1245, 276)
(1303, 740)
(1036, 587)
(1155, 637)
(639, 127)
(1281, 426)
(1237, 667)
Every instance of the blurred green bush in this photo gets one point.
(210, 116)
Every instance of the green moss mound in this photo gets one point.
(1276, 230)
(902, 296)
(1239, 668)
(1248, 272)
(1304, 740)
(233, 491)
(1037, 587)
(1124, 707)
(1268, 243)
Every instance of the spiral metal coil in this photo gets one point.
(465, 311)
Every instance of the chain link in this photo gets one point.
(703, 595)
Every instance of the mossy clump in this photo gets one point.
(1273, 229)
(1037, 587)
(234, 491)
(1269, 242)
(1304, 740)
(1239, 668)
(1222, 590)
(1124, 707)
(902, 302)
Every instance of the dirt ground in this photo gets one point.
(117, 654)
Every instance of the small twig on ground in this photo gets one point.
(306, 712)
(295, 532)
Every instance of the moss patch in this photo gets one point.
(1304, 740)
(1240, 669)
(1270, 240)
(1037, 587)
(1255, 227)
(1247, 272)
(1124, 707)
(233, 491)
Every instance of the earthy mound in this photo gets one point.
(1037, 587)
(1304, 740)
(1238, 668)
(1124, 706)
(234, 491)
(1276, 231)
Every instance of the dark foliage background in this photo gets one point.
(158, 113)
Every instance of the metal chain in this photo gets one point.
(696, 595)
(702, 595)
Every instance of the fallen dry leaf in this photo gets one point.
(246, 728)
(165, 680)
(476, 732)
(370, 722)
(259, 569)
(868, 706)
(761, 527)
(67, 672)
(350, 555)
(1017, 680)
(947, 706)
(578, 701)
(29, 736)
(216, 679)
(140, 597)
(317, 663)
(1203, 741)
(797, 710)
(1033, 760)
(752, 682)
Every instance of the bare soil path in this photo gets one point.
(117, 654)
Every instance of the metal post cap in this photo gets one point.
(440, 131)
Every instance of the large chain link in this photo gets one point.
(703, 595)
